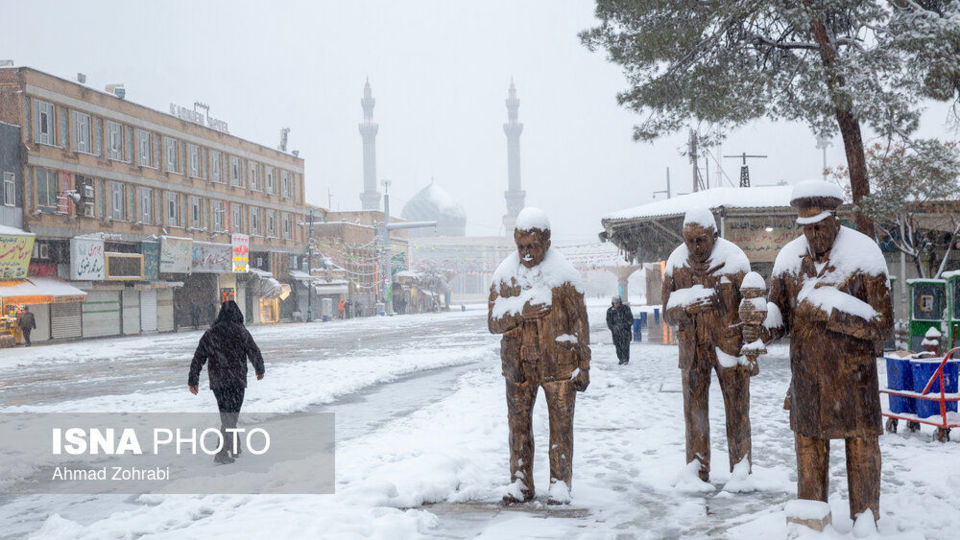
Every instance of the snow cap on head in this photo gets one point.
(700, 216)
(753, 280)
(815, 200)
(532, 218)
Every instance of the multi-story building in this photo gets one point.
(142, 210)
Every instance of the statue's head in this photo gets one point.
(817, 202)
(532, 235)
(699, 234)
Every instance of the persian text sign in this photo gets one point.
(15, 252)
(151, 260)
(86, 259)
(761, 237)
(211, 258)
(241, 252)
(165, 453)
(176, 255)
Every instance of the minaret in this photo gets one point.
(370, 197)
(514, 195)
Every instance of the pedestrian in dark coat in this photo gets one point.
(225, 348)
(195, 316)
(27, 324)
(620, 323)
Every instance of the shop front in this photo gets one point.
(46, 298)
(264, 294)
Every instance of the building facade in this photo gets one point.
(143, 210)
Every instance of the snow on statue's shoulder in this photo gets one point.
(726, 255)
(532, 218)
(536, 284)
(790, 256)
(852, 251)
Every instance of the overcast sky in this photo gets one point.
(439, 71)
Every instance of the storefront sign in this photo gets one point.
(176, 255)
(761, 237)
(15, 252)
(241, 252)
(211, 258)
(86, 259)
(151, 260)
(124, 266)
(42, 270)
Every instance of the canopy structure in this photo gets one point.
(334, 287)
(40, 290)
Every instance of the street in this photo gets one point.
(421, 442)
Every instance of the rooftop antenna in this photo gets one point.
(667, 191)
(744, 170)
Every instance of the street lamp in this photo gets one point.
(310, 270)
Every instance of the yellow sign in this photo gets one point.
(15, 253)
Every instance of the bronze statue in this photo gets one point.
(831, 287)
(701, 296)
(537, 304)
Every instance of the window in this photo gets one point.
(284, 184)
(114, 141)
(286, 226)
(128, 147)
(98, 148)
(235, 171)
(215, 167)
(196, 220)
(254, 220)
(194, 152)
(46, 189)
(9, 189)
(63, 127)
(81, 132)
(44, 117)
(143, 148)
(271, 224)
(218, 212)
(170, 150)
(116, 200)
(268, 180)
(146, 204)
(236, 218)
(173, 210)
(252, 169)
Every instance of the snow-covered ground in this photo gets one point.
(435, 463)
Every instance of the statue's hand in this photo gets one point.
(807, 310)
(535, 311)
(582, 380)
(711, 303)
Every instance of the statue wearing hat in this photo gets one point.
(701, 296)
(536, 302)
(832, 290)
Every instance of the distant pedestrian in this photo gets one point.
(195, 316)
(346, 309)
(341, 307)
(620, 323)
(227, 346)
(359, 309)
(27, 324)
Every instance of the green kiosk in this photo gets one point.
(953, 301)
(928, 307)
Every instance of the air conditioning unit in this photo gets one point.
(43, 251)
(87, 191)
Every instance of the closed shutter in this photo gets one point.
(165, 310)
(101, 314)
(131, 311)
(148, 310)
(65, 321)
(41, 314)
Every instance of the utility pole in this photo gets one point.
(667, 191)
(329, 199)
(310, 269)
(387, 257)
(744, 170)
(822, 143)
(694, 159)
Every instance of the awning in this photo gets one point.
(301, 276)
(40, 290)
(330, 288)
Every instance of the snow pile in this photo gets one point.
(536, 284)
(774, 317)
(852, 252)
(805, 509)
(754, 346)
(729, 361)
(689, 296)
(559, 492)
(726, 258)
(815, 188)
(532, 218)
(700, 216)
(830, 298)
(742, 481)
(688, 480)
(753, 280)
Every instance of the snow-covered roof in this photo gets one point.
(727, 197)
(13, 231)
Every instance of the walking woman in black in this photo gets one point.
(225, 347)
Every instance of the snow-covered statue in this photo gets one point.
(536, 302)
(830, 287)
(701, 296)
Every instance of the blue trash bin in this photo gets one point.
(656, 315)
(923, 369)
(643, 319)
(900, 377)
(637, 330)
